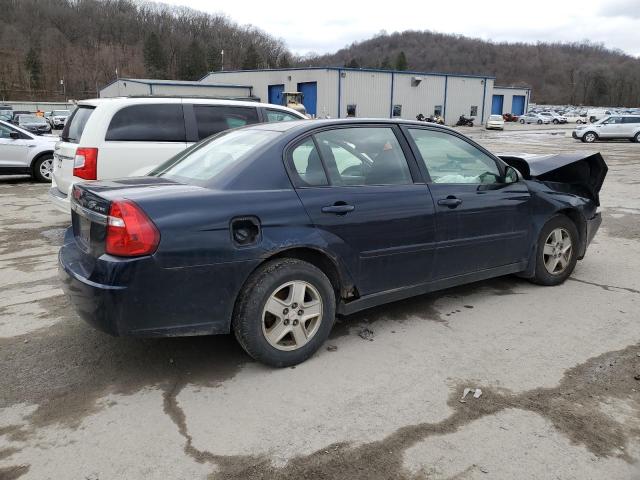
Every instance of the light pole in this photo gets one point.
(64, 89)
(222, 61)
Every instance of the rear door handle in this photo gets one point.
(450, 201)
(339, 208)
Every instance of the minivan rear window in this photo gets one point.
(74, 127)
(148, 123)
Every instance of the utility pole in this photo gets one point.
(64, 89)
(222, 61)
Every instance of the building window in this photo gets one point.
(437, 111)
(474, 111)
(397, 110)
(351, 110)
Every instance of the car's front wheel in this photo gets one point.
(522, 122)
(43, 168)
(285, 312)
(637, 138)
(556, 121)
(589, 137)
(539, 122)
(557, 251)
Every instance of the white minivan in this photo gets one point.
(120, 137)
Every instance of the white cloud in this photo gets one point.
(332, 24)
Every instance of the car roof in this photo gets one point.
(117, 101)
(298, 126)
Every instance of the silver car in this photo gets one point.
(611, 127)
(534, 118)
(24, 153)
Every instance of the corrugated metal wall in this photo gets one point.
(327, 103)
(463, 93)
(422, 97)
(508, 93)
(369, 91)
(203, 91)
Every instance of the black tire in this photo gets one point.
(579, 122)
(522, 122)
(542, 276)
(539, 122)
(555, 121)
(589, 137)
(637, 138)
(37, 174)
(248, 314)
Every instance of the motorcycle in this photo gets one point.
(431, 119)
(465, 122)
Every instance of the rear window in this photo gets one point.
(631, 119)
(148, 123)
(214, 119)
(74, 127)
(205, 160)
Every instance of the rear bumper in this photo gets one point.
(137, 297)
(60, 200)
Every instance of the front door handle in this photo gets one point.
(339, 208)
(450, 201)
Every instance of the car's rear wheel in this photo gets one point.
(522, 122)
(637, 138)
(589, 137)
(579, 122)
(43, 168)
(285, 312)
(557, 251)
(556, 121)
(539, 122)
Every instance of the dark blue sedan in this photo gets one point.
(273, 230)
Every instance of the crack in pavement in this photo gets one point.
(608, 288)
(573, 407)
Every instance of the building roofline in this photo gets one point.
(406, 72)
(512, 88)
(194, 83)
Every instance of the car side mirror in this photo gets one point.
(512, 175)
(14, 135)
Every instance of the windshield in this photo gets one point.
(31, 119)
(495, 117)
(211, 157)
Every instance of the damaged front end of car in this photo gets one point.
(568, 184)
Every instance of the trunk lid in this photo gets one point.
(90, 204)
(580, 171)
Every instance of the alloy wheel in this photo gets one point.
(292, 315)
(557, 252)
(46, 168)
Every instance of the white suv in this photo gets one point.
(120, 137)
(23, 152)
(614, 126)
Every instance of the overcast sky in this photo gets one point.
(327, 25)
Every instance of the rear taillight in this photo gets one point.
(85, 163)
(130, 233)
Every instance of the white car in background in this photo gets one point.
(122, 137)
(554, 117)
(57, 118)
(534, 118)
(576, 117)
(495, 122)
(613, 127)
(25, 153)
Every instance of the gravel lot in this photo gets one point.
(556, 367)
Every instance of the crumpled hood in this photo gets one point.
(586, 170)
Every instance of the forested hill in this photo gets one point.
(84, 41)
(577, 73)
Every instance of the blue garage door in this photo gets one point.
(496, 104)
(309, 91)
(517, 106)
(275, 94)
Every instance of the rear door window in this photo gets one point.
(148, 123)
(74, 126)
(214, 119)
(279, 116)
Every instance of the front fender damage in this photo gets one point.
(573, 173)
